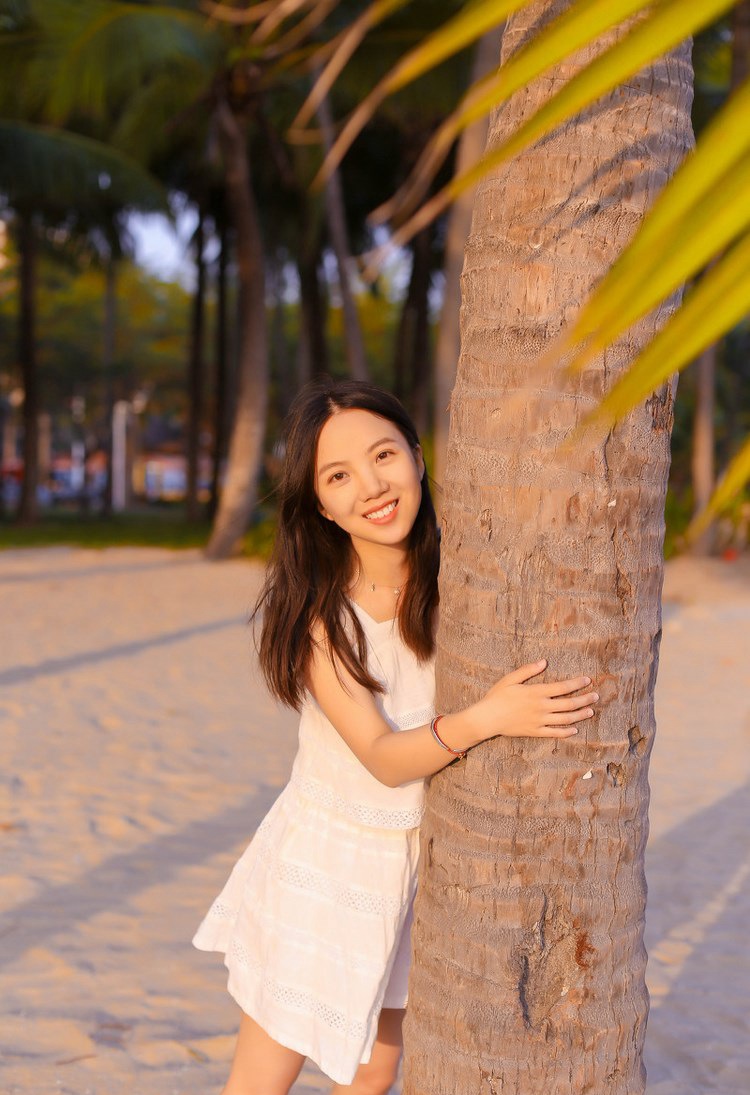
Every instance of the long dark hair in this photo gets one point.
(312, 557)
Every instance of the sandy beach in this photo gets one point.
(140, 750)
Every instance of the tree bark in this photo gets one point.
(27, 511)
(448, 345)
(245, 456)
(195, 375)
(354, 343)
(529, 958)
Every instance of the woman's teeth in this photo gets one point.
(381, 512)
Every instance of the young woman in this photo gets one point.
(314, 919)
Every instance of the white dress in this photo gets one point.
(314, 919)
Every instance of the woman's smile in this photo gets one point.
(383, 515)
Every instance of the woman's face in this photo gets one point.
(368, 479)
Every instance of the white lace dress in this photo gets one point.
(314, 918)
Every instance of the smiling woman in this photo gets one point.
(314, 920)
(370, 484)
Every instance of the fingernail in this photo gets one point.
(542, 661)
(587, 680)
(596, 695)
(590, 711)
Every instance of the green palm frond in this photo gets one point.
(729, 486)
(668, 24)
(45, 167)
(342, 49)
(712, 188)
(574, 29)
(82, 67)
(716, 304)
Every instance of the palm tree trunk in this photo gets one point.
(448, 345)
(354, 343)
(221, 371)
(529, 956)
(195, 374)
(27, 512)
(313, 342)
(420, 365)
(245, 456)
(108, 365)
(411, 369)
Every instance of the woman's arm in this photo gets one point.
(511, 707)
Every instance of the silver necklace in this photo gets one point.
(396, 590)
(373, 586)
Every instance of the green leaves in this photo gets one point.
(41, 166)
(701, 218)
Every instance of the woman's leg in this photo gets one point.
(379, 1074)
(261, 1066)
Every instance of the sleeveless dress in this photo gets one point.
(314, 919)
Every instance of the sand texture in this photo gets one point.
(140, 750)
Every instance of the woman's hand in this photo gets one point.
(516, 709)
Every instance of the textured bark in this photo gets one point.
(239, 493)
(448, 345)
(27, 511)
(529, 957)
(195, 375)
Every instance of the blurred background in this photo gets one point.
(154, 176)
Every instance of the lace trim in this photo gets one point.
(372, 816)
(309, 881)
(414, 718)
(296, 1000)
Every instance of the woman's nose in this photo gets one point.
(372, 483)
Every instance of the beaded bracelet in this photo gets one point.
(439, 740)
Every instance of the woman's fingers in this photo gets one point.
(572, 704)
(554, 732)
(525, 672)
(564, 720)
(563, 688)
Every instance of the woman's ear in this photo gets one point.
(420, 461)
(322, 510)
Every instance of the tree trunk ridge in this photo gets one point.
(529, 956)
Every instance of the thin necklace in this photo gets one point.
(396, 589)
(373, 586)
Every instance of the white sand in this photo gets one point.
(140, 751)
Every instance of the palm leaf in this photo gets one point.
(455, 35)
(43, 166)
(716, 304)
(344, 47)
(581, 24)
(729, 486)
(84, 68)
(666, 26)
(713, 171)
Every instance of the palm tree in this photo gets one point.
(530, 909)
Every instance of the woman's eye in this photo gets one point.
(386, 452)
(334, 477)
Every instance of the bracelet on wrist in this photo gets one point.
(439, 740)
